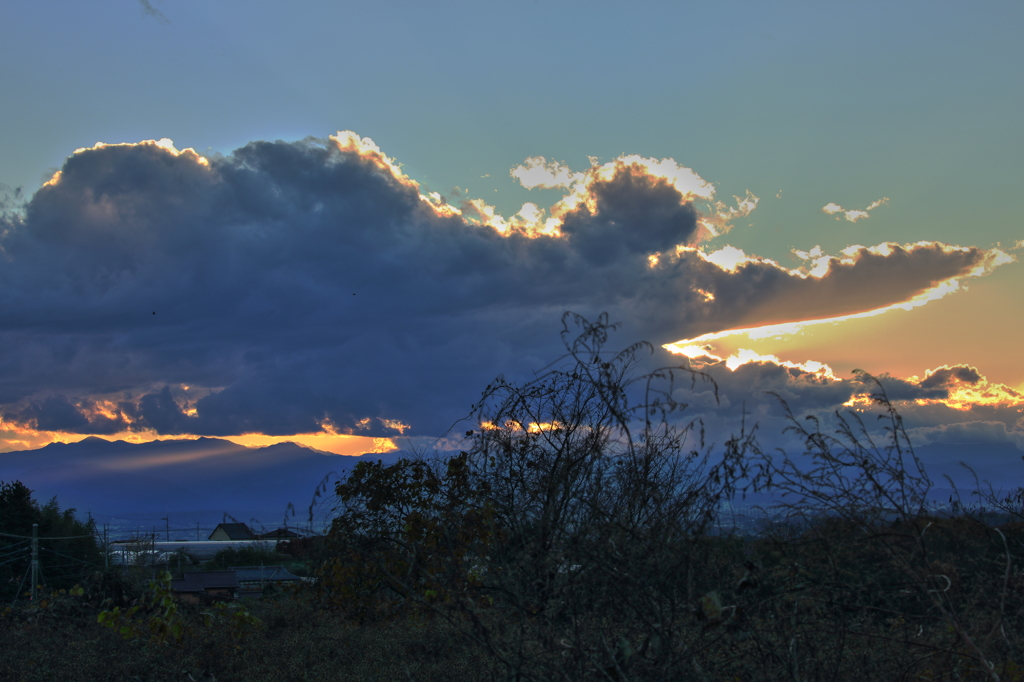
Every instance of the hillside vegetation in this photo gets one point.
(580, 536)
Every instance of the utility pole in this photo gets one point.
(106, 549)
(35, 559)
(167, 526)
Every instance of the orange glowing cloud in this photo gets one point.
(965, 393)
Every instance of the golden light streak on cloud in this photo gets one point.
(730, 259)
(860, 402)
(745, 356)
(163, 143)
(703, 356)
(786, 328)
(529, 221)
(440, 206)
(706, 295)
(350, 142)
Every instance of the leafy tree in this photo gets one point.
(246, 556)
(68, 548)
(581, 493)
(412, 535)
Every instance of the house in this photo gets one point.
(253, 580)
(278, 535)
(232, 531)
(203, 586)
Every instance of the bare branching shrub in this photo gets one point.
(870, 554)
(580, 536)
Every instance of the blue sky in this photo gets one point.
(804, 105)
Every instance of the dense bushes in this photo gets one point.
(259, 555)
(575, 538)
(68, 548)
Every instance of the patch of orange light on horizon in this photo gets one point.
(14, 438)
(336, 443)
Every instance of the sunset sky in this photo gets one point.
(335, 223)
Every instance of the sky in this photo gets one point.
(336, 223)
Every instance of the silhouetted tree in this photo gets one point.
(68, 547)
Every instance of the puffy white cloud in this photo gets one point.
(852, 215)
(537, 171)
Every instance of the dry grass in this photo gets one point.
(296, 643)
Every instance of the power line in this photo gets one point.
(29, 537)
(82, 561)
(16, 550)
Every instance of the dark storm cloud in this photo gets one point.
(57, 413)
(757, 292)
(945, 376)
(297, 285)
(633, 213)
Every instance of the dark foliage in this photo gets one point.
(580, 537)
(68, 548)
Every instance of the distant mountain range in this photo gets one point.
(209, 474)
(215, 476)
(998, 464)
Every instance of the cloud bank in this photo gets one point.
(298, 287)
